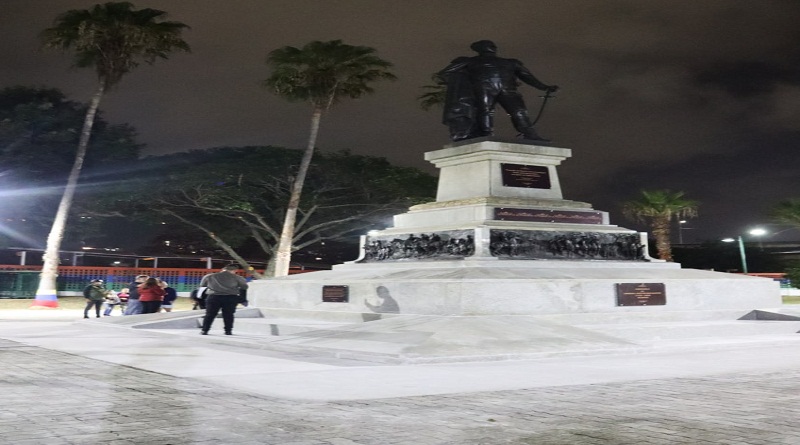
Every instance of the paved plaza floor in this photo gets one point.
(65, 380)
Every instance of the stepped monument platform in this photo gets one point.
(500, 259)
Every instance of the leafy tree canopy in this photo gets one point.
(321, 73)
(113, 38)
(236, 196)
(39, 132)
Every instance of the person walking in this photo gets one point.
(223, 294)
(95, 294)
(150, 296)
(134, 307)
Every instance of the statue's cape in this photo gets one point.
(459, 103)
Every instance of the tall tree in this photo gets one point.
(113, 38)
(320, 73)
(657, 208)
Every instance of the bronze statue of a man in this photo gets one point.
(476, 84)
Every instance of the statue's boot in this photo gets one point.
(530, 134)
(485, 125)
(460, 129)
(523, 124)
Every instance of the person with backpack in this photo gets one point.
(95, 294)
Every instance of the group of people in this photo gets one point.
(146, 295)
(220, 291)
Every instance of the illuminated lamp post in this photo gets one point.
(754, 232)
(681, 228)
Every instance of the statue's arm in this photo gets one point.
(456, 65)
(526, 76)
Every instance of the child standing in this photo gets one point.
(123, 299)
(112, 300)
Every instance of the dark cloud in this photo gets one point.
(667, 93)
(730, 186)
(749, 78)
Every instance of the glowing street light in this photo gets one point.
(681, 228)
(755, 232)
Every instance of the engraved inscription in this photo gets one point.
(525, 176)
(641, 294)
(554, 216)
(335, 294)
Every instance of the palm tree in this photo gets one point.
(658, 207)
(434, 95)
(320, 73)
(787, 212)
(112, 38)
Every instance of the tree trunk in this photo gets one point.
(269, 270)
(46, 296)
(283, 254)
(661, 232)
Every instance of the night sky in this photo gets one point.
(698, 96)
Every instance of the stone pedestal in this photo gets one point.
(501, 199)
(501, 240)
(477, 169)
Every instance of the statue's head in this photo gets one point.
(484, 46)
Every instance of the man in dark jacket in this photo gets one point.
(95, 294)
(223, 293)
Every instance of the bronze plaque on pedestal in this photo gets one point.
(335, 294)
(525, 176)
(641, 294)
(556, 216)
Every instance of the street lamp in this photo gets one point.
(681, 228)
(755, 232)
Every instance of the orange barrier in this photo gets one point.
(75, 278)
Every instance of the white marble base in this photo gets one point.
(508, 287)
(473, 199)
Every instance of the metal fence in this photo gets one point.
(18, 283)
(22, 281)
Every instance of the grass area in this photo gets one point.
(791, 300)
(181, 304)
